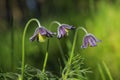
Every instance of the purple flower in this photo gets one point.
(63, 30)
(40, 34)
(89, 39)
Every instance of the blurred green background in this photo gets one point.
(100, 17)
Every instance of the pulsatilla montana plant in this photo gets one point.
(40, 34)
(63, 30)
(72, 69)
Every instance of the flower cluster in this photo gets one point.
(41, 33)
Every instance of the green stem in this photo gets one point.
(72, 52)
(101, 72)
(54, 23)
(46, 57)
(107, 70)
(61, 52)
(59, 45)
(23, 44)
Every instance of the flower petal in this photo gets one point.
(94, 37)
(61, 32)
(41, 33)
(92, 42)
(67, 26)
(89, 39)
(33, 37)
(85, 42)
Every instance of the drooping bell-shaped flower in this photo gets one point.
(63, 30)
(89, 39)
(40, 34)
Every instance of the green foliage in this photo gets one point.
(9, 76)
(77, 71)
(32, 73)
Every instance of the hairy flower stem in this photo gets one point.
(46, 57)
(72, 52)
(23, 44)
(54, 23)
(59, 45)
(61, 52)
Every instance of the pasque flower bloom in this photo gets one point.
(63, 30)
(40, 34)
(89, 39)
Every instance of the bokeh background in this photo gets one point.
(100, 17)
